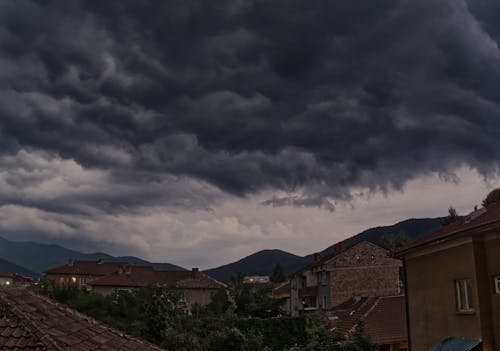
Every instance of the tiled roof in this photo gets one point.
(137, 276)
(476, 220)
(384, 318)
(386, 322)
(6, 275)
(87, 268)
(29, 321)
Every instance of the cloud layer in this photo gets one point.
(110, 109)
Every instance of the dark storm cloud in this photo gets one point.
(252, 95)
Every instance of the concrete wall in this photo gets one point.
(66, 278)
(200, 297)
(432, 299)
(492, 249)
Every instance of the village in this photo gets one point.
(439, 292)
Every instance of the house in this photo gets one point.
(256, 279)
(82, 272)
(453, 284)
(6, 279)
(13, 279)
(383, 319)
(361, 270)
(29, 321)
(281, 293)
(196, 287)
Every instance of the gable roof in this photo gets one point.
(29, 321)
(477, 220)
(141, 276)
(87, 268)
(384, 318)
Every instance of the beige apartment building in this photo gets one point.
(453, 283)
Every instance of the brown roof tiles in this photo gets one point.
(384, 318)
(32, 322)
(87, 268)
(137, 276)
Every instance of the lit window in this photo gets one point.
(497, 284)
(465, 302)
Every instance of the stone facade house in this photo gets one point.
(361, 270)
(453, 284)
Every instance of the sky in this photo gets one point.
(198, 132)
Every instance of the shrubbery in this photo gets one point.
(250, 323)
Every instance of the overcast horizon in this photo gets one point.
(199, 132)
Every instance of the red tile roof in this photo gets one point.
(138, 276)
(87, 268)
(479, 219)
(29, 321)
(384, 318)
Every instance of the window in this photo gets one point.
(465, 302)
(497, 284)
(324, 301)
(323, 277)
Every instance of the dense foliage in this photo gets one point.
(248, 321)
(492, 197)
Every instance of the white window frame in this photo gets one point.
(464, 296)
(496, 280)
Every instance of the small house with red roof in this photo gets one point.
(108, 277)
(453, 283)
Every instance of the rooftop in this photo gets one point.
(87, 268)
(141, 276)
(477, 220)
(29, 321)
(384, 318)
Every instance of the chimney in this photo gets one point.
(317, 257)
(194, 273)
(339, 247)
(71, 262)
(100, 261)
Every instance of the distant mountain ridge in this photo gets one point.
(38, 257)
(263, 262)
(259, 263)
(35, 258)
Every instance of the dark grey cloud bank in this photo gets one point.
(245, 96)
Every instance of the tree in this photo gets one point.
(391, 241)
(452, 216)
(492, 197)
(278, 275)
(360, 341)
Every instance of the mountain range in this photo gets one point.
(36, 258)
(263, 262)
(32, 259)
